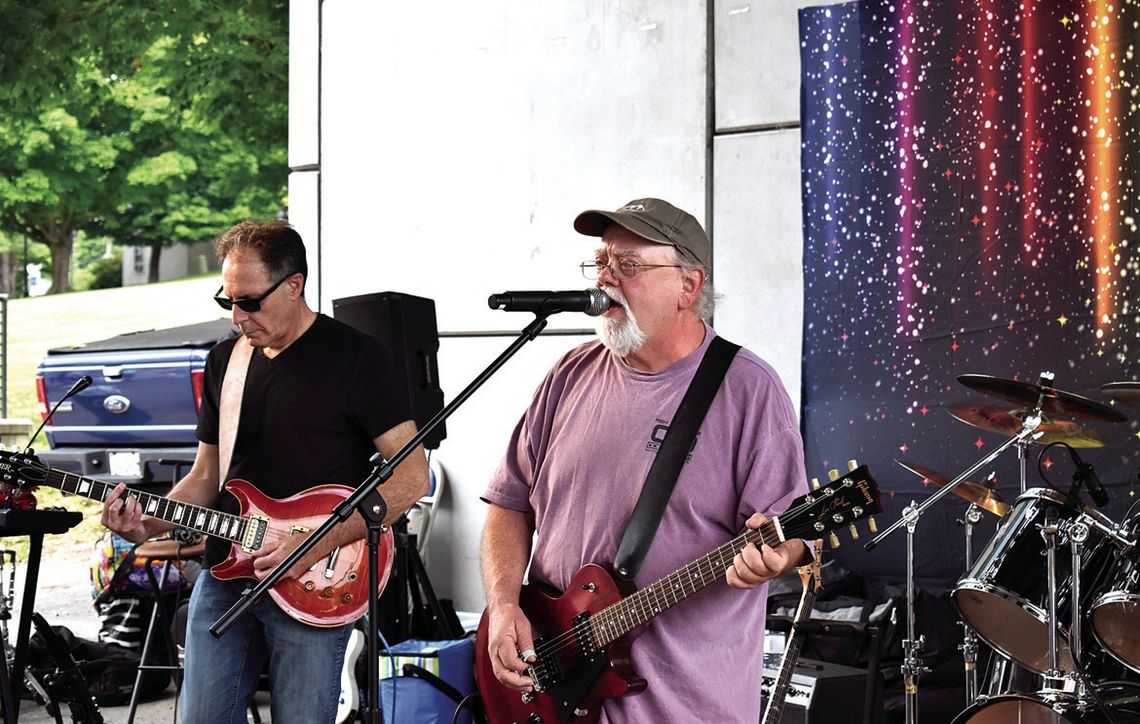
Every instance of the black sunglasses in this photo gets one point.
(247, 305)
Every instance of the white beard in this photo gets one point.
(620, 335)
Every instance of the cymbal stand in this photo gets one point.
(969, 647)
(912, 665)
(1078, 533)
(1028, 432)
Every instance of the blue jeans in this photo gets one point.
(222, 674)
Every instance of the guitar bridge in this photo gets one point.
(254, 533)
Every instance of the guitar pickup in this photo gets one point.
(254, 533)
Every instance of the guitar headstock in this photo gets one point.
(851, 497)
(21, 469)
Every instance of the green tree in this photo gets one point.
(159, 125)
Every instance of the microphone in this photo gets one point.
(1092, 483)
(591, 301)
(80, 385)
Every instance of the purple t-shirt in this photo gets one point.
(578, 459)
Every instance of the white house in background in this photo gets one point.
(176, 262)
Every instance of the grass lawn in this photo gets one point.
(38, 324)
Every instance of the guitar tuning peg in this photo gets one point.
(815, 483)
(833, 475)
(854, 531)
(833, 540)
(871, 524)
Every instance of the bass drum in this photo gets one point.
(1122, 700)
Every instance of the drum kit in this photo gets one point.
(1055, 593)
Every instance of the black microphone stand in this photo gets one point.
(367, 501)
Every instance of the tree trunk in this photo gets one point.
(8, 266)
(155, 257)
(60, 240)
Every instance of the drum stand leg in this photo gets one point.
(1054, 685)
(912, 664)
(969, 645)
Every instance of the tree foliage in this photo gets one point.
(153, 123)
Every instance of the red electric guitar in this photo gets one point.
(331, 593)
(582, 657)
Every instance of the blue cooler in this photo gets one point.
(418, 700)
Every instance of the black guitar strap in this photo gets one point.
(666, 467)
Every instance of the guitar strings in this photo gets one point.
(605, 617)
(705, 565)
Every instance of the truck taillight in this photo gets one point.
(196, 379)
(41, 395)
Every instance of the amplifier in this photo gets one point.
(821, 692)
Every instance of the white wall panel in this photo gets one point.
(460, 139)
(757, 54)
(758, 250)
(304, 207)
(477, 436)
(304, 81)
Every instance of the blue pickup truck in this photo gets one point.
(140, 409)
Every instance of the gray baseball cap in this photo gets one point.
(653, 220)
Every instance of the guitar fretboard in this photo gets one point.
(194, 517)
(795, 642)
(615, 620)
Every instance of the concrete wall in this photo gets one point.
(443, 149)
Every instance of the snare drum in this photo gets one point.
(1004, 596)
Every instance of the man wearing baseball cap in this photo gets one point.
(579, 456)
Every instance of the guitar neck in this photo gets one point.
(791, 655)
(194, 517)
(618, 619)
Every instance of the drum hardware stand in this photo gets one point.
(912, 665)
(1053, 688)
(969, 647)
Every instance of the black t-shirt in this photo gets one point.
(308, 416)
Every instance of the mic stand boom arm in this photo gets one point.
(372, 508)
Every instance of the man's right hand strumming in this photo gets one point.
(509, 636)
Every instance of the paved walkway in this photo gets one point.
(64, 599)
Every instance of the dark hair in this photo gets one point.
(278, 245)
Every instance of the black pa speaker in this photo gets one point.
(405, 324)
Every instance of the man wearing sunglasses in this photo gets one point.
(579, 456)
(319, 399)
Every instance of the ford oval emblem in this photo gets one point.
(116, 404)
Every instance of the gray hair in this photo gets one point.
(706, 300)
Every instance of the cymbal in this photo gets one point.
(1123, 391)
(1008, 423)
(980, 495)
(1056, 402)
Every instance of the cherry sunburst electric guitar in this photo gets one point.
(581, 647)
(331, 593)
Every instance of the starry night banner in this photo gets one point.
(969, 208)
